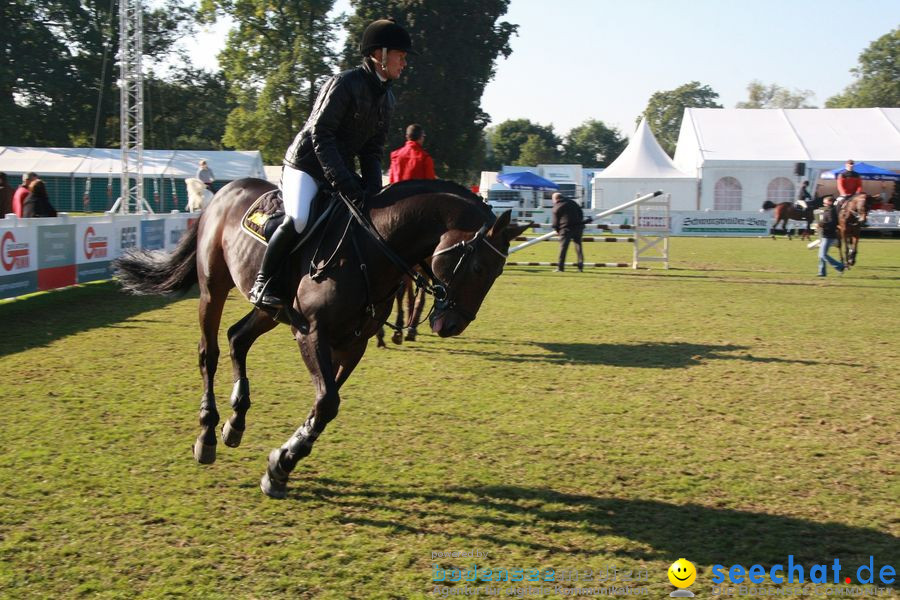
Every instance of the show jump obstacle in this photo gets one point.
(650, 240)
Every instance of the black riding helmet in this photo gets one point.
(385, 33)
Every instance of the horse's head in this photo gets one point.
(466, 265)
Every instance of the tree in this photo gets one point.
(508, 139)
(774, 96)
(459, 42)
(275, 62)
(57, 68)
(186, 110)
(666, 109)
(592, 144)
(878, 76)
(536, 151)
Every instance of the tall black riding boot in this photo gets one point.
(265, 292)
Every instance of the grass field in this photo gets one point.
(734, 409)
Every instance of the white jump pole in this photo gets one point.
(605, 213)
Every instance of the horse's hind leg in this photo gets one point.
(241, 336)
(320, 361)
(211, 304)
(397, 337)
(415, 313)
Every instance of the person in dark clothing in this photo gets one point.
(803, 197)
(6, 196)
(37, 202)
(829, 236)
(568, 222)
(349, 121)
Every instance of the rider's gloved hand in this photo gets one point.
(357, 196)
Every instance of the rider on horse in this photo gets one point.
(803, 196)
(349, 119)
(848, 183)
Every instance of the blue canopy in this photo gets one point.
(526, 180)
(866, 171)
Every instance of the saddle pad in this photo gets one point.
(264, 216)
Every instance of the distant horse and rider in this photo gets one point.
(342, 300)
(410, 303)
(790, 211)
(852, 215)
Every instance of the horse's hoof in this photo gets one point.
(231, 435)
(411, 335)
(204, 454)
(397, 338)
(272, 489)
(381, 343)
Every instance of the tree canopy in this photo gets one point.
(665, 110)
(274, 61)
(593, 144)
(507, 140)
(58, 72)
(877, 76)
(760, 95)
(459, 42)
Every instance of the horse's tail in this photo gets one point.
(768, 205)
(155, 272)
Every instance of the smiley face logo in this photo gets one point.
(682, 573)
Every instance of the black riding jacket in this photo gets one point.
(350, 120)
(829, 223)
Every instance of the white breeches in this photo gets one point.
(297, 191)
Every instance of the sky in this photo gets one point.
(575, 60)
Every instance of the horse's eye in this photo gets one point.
(477, 269)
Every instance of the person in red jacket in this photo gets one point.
(849, 182)
(411, 161)
(18, 201)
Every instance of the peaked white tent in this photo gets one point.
(746, 156)
(642, 168)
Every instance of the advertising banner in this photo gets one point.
(18, 261)
(56, 256)
(176, 225)
(126, 234)
(720, 223)
(93, 254)
(153, 234)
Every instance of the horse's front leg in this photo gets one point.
(321, 362)
(241, 336)
(397, 337)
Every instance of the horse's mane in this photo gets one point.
(403, 189)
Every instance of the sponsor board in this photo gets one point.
(720, 223)
(56, 256)
(153, 234)
(126, 234)
(94, 245)
(18, 262)
(176, 225)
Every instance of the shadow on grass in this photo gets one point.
(651, 355)
(44, 318)
(660, 530)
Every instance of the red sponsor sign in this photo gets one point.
(95, 246)
(13, 255)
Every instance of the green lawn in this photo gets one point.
(733, 409)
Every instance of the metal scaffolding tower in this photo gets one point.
(131, 112)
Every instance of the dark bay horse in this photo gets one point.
(786, 211)
(851, 215)
(438, 222)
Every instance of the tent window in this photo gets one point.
(727, 194)
(780, 189)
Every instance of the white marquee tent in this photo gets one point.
(101, 162)
(746, 156)
(642, 168)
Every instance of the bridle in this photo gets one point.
(440, 289)
(435, 287)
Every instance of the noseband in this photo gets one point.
(440, 289)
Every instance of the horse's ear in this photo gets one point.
(511, 233)
(500, 224)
